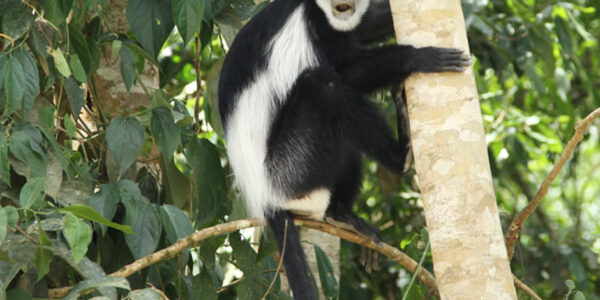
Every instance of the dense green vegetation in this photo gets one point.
(76, 181)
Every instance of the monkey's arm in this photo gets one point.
(371, 69)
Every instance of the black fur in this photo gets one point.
(325, 124)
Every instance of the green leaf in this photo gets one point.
(12, 215)
(243, 254)
(128, 67)
(176, 223)
(188, 15)
(84, 48)
(16, 20)
(26, 144)
(132, 198)
(78, 234)
(570, 284)
(165, 131)
(176, 185)
(245, 258)
(75, 95)
(31, 79)
(46, 116)
(75, 191)
(56, 11)
(211, 106)
(14, 83)
(578, 296)
(95, 283)
(565, 36)
(16, 294)
(88, 213)
(151, 21)
(211, 187)
(43, 256)
(267, 245)
(32, 193)
(3, 224)
(147, 230)
(326, 275)
(125, 138)
(4, 162)
(60, 61)
(105, 202)
(70, 126)
(533, 75)
(204, 285)
(77, 67)
(85, 267)
(145, 294)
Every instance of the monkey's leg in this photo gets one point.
(339, 212)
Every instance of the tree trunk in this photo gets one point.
(113, 97)
(448, 141)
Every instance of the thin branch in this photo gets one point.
(516, 225)
(197, 237)
(280, 260)
(194, 239)
(226, 287)
(10, 39)
(396, 255)
(523, 287)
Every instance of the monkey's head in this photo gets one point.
(343, 15)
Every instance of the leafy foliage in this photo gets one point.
(90, 181)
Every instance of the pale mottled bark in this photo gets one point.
(470, 260)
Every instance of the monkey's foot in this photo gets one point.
(351, 222)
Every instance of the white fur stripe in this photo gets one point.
(289, 53)
(311, 206)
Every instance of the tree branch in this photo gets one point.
(194, 239)
(523, 287)
(197, 237)
(516, 225)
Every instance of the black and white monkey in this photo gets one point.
(296, 122)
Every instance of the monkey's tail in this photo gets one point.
(294, 261)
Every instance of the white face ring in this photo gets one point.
(344, 22)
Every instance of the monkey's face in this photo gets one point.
(343, 15)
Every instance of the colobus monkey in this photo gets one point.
(296, 122)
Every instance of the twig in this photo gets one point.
(516, 225)
(10, 39)
(226, 287)
(280, 261)
(523, 287)
(394, 254)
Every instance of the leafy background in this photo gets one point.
(89, 183)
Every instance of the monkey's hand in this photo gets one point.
(351, 222)
(435, 59)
